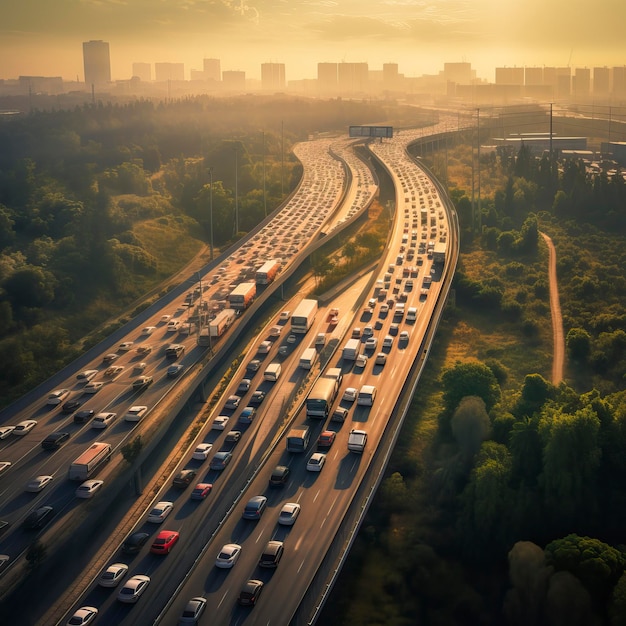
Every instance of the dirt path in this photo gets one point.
(557, 319)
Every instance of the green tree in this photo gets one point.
(470, 425)
(578, 343)
(469, 379)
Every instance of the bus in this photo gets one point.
(321, 397)
(267, 272)
(89, 461)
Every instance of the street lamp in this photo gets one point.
(211, 208)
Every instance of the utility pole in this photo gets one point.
(236, 191)
(478, 165)
(211, 208)
(282, 158)
(264, 194)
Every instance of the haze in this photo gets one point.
(43, 37)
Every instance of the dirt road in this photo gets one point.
(557, 319)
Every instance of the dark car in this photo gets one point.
(184, 478)
(70, 406)
(254, 508)
(220, 460)
(133, 543)
(80, 417)
(272, 554)
(38, 518)
(193, 610)
(54, 440)
(257, 397)
(250, 592)
(279, 476)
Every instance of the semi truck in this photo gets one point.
(298, 439)
(89, 461)
(303, 317)
(241, 296)
(222, 322)
(351, 349)
(267, 272)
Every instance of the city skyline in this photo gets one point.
(419, 35)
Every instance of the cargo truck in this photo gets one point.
(351, 349)
(241, 296)
(267, 272)
(89, 461)
(308, 358)
(303, 317)
(222, 322)
(298, 439)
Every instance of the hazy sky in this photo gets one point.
(44, 37)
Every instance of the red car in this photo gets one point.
(164, 542)
(201, 491)
(326, 439)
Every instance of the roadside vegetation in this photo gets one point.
(504, 499)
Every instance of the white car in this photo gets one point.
(102, 420)
(264, 347)
(288, 514)
(361, 360)
(86, 376)
(23, 428)
(404, 336)
(83, 616)
(93, 387)
(232, 402)
(89, 488)
(56, 397)
(228, 556)
(172, 325)
(316, 462)
(320, 340)
(388, 341)
(254, 365)
(148, 330)
(275, 331)
(371, 343)
(4, 466)
(350, 394)
(113, 574)
(5, 431)
(160, 511)
(38, 483)
(133, 588)
(202, 451)
(125, 346)
(219, 423)
(140, 367)
(135, 413)
(165, 318)
(284, 316)
(381, 359)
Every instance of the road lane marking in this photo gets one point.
(317, 494)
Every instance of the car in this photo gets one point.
(250, 592)
(283, 350)
(148, 330)
(326, 439)
(141, 383)
(113, 370)
(133, 543)
(23, 428)
(125, 346)
(316, 462)
(339, 414)
(109, 358)
(279, 476)
(184, 478)
(264, 347)
(144, 350)
(201, 491)
(71, 405)
(56, 397)
(257, 397)
(80, 417)
(38, 483)
(193, 610)
(140, 367)
(284, 316)
(174, 350)
(135, 413)
(220, 460)
(320, 339)
(361, 360)
(254, 365)
(381, 359)
(165, 318)
(232, 436)
(243, 387)
(232, 402)
(164, 542)
(219, 423)
(254, 508)
(272, 553)
(175, 369)
(133, 588)
(350, 394)
(356, 333)
(384, 309)
(292, 338)
(38, 518)
(93, 387)
(247, 415)
(5, 431)
(160, 511)
(84, 615)
(404, 336)
(201, 453)
(228, 556)
(334, 311)
(393, 329)
(371, 343)
(289, 514)
(102, 420)
(4, 466)
(89, 488)
(275, 331)
(55, 440)
(368, 331)
(112, 575)
(86, 375)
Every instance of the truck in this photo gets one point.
(298, 438)
(351, 349)
(439, 252)
(308, 358)
(357, 440)
(367, 395)
(222, 322)
(321, 397)
(241, 296)
(267, 272)
(89, 461)
(303, 317)
(272, 372)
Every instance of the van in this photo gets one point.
(307, 359)
(411, 314)
(272, 372)
(367, 395)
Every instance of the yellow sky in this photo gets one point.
(43, 37)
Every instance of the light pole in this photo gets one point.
(211, 208)
(236, 191)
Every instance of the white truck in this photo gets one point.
(303, 317)
(272, 372)
(351, 349)
(308, 358)
(222, 322)
(357, 440)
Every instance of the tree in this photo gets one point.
(526, 451)
(536, 390)
(30, 287)
(469, 379)
(578, 343)
(470, 425)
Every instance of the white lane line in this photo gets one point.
(222, 600)
(301, 565)
(316, 495)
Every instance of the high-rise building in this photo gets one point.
(97, 63)
(327, 78)
(169, 71)
(582, 82)
(601, 81)
(619, 81)
(510, 76)
(352, 78)
(460, 73)
(391, 78)
(273, 76)
(212, 69)
(143, 71)
(533, 76)
(234, 80)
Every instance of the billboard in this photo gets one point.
(371, 131)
